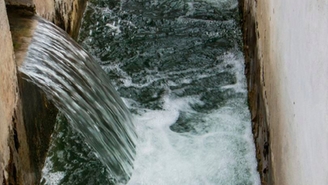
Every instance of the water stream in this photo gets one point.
(79, 89)
(179, 68)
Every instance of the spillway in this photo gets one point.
(179, 68)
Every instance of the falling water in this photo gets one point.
(178, 66)
(82, 92)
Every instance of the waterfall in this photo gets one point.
(179, 68)
(81, 90)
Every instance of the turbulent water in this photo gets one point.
(178, 66)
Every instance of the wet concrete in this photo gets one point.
(256, 93)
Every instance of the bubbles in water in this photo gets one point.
(48, 176)
(179, 68)
(212, 153)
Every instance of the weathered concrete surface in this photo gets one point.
(8, 88)
(26, 116)
(66, 14)
(253, 50)
(291, 43)
(35, 116)
(69, 14)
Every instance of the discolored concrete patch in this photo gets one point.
(256, 45)
(285, 50)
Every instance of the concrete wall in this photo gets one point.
(8, 86)
(289, 44)
(26, 116)
(66, 14)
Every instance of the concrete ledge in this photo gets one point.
(66, 14)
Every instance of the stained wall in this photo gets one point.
(288, 46)
(8, 89)
(27, 118)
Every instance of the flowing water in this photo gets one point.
(179, 68)
(77, 86)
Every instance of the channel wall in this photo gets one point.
(286, 54)
(27, 118)
(286, 57)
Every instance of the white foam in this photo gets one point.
(50, 177)
(227, 4)
(215, 156)
(115, 27)
(235, 59)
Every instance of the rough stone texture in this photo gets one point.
(66, 14)
(289, 45)
(69, 14)
(24, 3)
(35, 116)
(26, 116)
(8, 88)
(254, 59)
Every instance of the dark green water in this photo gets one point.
(178, 66)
